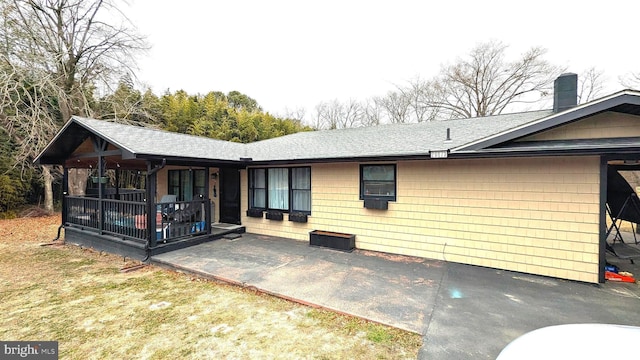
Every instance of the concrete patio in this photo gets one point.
(463, 312)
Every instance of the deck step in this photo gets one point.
(232, 236)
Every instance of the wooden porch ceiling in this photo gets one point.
(111, 162)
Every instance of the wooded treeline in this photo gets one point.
(232, 116)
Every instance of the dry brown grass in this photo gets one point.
(81, 299)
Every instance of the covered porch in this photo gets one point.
(118, 200)
(127, 227)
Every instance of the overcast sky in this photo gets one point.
(295, 54)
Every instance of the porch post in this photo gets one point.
(65, 192)
(151, 205)
(207, 208)
(117, 196)
(100, 146)
(101, 166)
(603, 219)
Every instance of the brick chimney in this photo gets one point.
(565, 92)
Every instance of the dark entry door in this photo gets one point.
(230, 196)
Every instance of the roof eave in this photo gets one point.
(498, 153)
(191, 160)
(554, 120)
(41, 155)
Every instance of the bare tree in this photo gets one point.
(53, 54)
(419, 93)
(631, 81)
(352, 114)
(485, 83)
(317, 119)
(397, 106)
(328, 114)
(336, 115)
(294, 114)
(373, 113)
(590, 85)
(129, 106)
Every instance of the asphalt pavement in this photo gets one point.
(462, 311)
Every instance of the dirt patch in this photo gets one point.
(81, 299)
(392, 257)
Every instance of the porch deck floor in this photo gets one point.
(463, 311)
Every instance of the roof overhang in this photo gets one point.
(60, 151)
(625, 101)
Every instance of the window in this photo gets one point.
(278, 185)
(257, 188)
(199, 182)
(285, 189)
(301, 190)
(174, 183)
(187, 184)
(378, 181)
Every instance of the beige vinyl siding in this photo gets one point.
(533, 215)
(605, 125)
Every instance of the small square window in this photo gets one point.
(378, 181)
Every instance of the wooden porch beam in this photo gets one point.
(96, 154)
(100, 145)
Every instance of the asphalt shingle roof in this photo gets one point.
(386, 140)
(141, 140)
(390, 140)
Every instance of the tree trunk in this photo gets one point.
(48, 188)
(78, 181)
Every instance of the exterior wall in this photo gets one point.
(533, 215)
(605, 125)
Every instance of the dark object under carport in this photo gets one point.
(622, 205)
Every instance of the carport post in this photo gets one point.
(603, 218)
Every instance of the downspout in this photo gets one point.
(158, 168)
(151, 191)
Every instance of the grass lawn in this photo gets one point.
(83, 300)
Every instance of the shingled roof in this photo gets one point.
(143, 141)
(468, 137)
(390, 140)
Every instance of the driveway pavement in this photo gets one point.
(463, 312)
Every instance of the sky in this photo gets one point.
(291, 55)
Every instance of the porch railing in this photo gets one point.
(128, 219)
(82, 211)
(125, 218)
(180, 219)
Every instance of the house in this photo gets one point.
(523, 192)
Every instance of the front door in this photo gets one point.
(230, 196)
